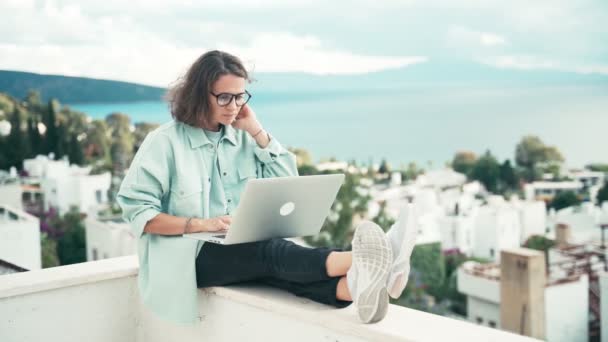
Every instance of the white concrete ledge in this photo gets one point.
(104, 289)
(400, 324)
(24, 283)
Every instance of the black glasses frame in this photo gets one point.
(232, 98)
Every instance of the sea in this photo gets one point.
(421, 123)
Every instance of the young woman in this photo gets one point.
(188, 176)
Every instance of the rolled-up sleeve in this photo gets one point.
(275, 160)
(147, 181)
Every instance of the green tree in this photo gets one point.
(533, 156)
(411, 172)
(464, 162)
(48, 251)
(17, 141)
(34, 137)
(428, 261)
(33, 101)
(51, 140)
(382, 219)
(508, 177)
(121, 149)
(71, 247)
(598, 167)
(303, 156)
(487, 171)
(97, 142)
(384, 168)
(565, 199)
(141, 131)
(602, 195)
(75, 151)
(337, 231)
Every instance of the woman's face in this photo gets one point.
(225, 115)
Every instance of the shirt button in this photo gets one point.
(209, 179)
(224, 173)
(229, 200)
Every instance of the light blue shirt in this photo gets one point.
(218, 206)
(171, 174)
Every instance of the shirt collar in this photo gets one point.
(198, 138)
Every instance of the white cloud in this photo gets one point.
(459, 36)
(276, 52)
(63, 39)
(534, 63)
(491, 39)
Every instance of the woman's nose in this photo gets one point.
(232, 103)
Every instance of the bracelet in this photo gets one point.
(187, 224)
(260, 131)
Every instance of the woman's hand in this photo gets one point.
(216, 224)
(247, 121)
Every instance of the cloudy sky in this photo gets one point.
(154, 41)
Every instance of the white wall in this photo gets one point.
(10, 194)
(488, 312)
(567, 311)
(533, 218)
(20, 238)
(497, 227)
(108, 239)
(76, 190)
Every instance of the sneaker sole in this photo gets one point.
(373, 254)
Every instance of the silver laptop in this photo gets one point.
(279, 207)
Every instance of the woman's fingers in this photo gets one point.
(226, 219)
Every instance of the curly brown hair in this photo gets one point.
(189, 97)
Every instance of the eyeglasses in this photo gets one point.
(224, 99)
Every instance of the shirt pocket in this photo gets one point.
(243, 172)
(187, 199)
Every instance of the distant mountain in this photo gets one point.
(434, 73)
(76, 89)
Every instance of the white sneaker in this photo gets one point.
(372, 256)
(402, 237)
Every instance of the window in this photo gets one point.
(26, 197)
(479, 320)
(98, 196)
(95, 254)
(492, 324)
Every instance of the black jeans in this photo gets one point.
(277, 262)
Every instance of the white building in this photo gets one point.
(457, 231)
(108, 237)
(445, 178)
(497, 227)
(532, 218)
(588, 178)
(11, 194)
(584, 222)
(566, 306)
(19, 238)
(67, 185)
(545, 191)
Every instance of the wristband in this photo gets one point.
(260, 131)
